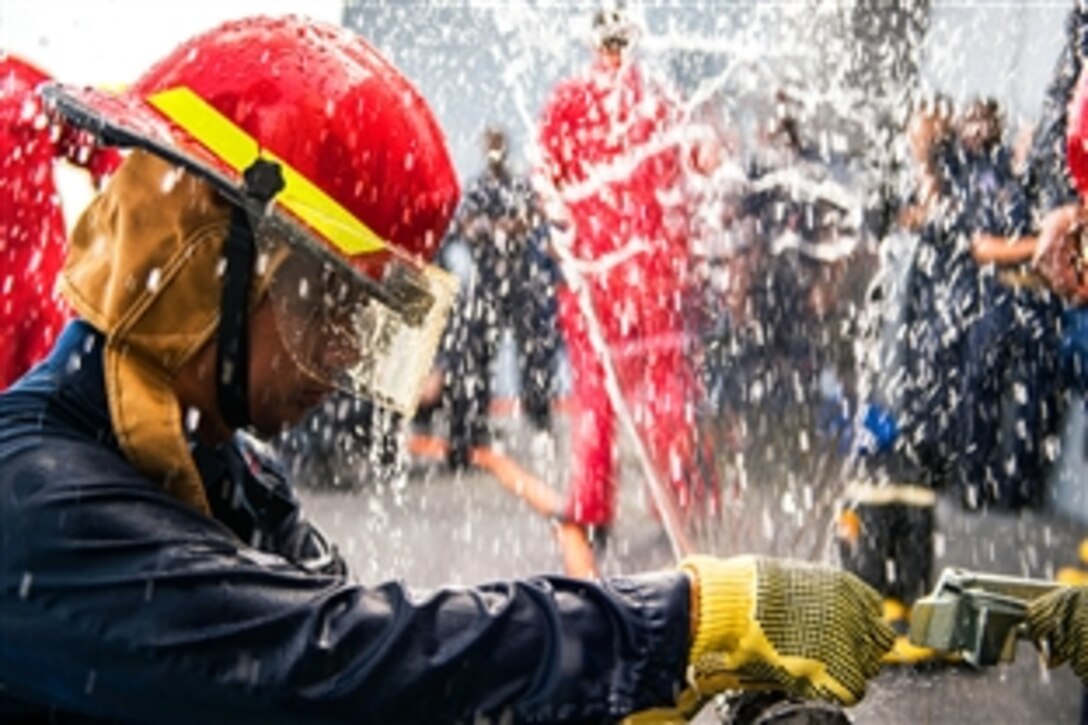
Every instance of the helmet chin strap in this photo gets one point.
(263, 180)
(232, 357)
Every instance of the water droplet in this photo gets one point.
(170, 179)
(192, 419)
(89, 685)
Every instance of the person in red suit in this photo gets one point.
(610, 146)
(32, 232)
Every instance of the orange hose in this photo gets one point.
(578, 559)
(513, 478)
(577, 554)
(427, 446)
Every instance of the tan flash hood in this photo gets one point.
(144, 268)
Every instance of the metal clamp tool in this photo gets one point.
(980, 616)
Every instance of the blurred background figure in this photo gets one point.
(32, 231)
(510, 286)
(983, 394)
(1010, 392)
(806, 213)
(727, 262)
(933, 327)
(899, 449)
(611, 149)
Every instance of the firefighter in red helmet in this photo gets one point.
(612, 151)
(265, 242)
(31, 223)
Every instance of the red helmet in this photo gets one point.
(19, 75)
(1077, 136)
(349, 129)
(328, 150)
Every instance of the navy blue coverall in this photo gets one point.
(119, 602)
(1011, 344)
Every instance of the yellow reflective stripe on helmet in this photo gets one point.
(236, 148)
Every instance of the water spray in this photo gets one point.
(670, 517)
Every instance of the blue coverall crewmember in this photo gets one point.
(1010, 332)
(511, 286)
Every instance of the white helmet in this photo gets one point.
(613, 27)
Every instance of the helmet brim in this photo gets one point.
(127, 121)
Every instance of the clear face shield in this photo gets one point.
(349, 332)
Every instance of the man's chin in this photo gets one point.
(268, 431)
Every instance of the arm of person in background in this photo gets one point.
(989, 248)
(1061, 257)
(1004, 222)
(433, 384)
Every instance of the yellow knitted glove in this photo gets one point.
(1058, 622)
(814, 631)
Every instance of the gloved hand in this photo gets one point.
(813, 631)
(1058, 623)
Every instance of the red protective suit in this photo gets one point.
(610, 150)
(32, 233)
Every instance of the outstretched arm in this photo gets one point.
(111, 589)
(1002, 251)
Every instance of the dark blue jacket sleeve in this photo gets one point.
(119, 602)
